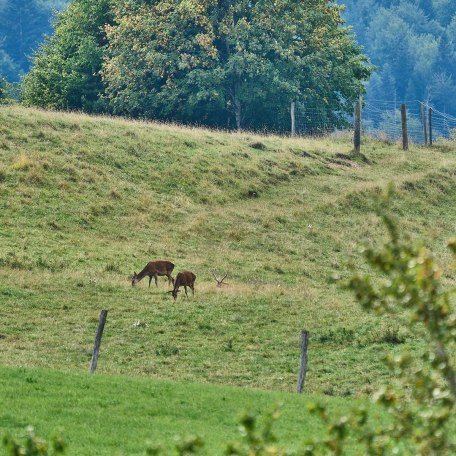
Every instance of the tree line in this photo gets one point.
(411, 43)
(230, 64)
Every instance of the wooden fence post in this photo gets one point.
(430, 126)
(361, 124)
(424, 122)
(303, 363)
(96, 345)
(293, 119)
(357, 137)
(404, 127)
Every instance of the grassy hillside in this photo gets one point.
(86, 201)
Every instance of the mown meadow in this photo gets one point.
(112, 415)
(85, 201)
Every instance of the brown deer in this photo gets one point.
(184, 279)
(155, 269)
(220, 282)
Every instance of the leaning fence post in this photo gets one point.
(423, 121)
(303, 363)
(430, 126)
(404, 127)
(357, 137)
(293, 119)
(96, 345)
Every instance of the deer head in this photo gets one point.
(134, 279)
(220, 282)
(174, 293)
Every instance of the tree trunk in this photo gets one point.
(238, 113)
(236, 105)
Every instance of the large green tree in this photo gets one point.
(230, 63)
(66, 69)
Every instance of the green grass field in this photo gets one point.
(86, 201)
(97, 419)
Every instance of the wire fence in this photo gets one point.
(443, 124)
(317, 120)
(380, 119)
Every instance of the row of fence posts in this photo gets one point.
(358, 115)
(302, 365)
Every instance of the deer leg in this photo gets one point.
(185, 287)
(193, 289)
(156, 280)
(170, 279)
(150, 280)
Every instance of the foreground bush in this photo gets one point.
(420, 404)
(33, 445)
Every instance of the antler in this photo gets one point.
(220, 282)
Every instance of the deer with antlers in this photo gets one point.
(220, 282)
(184, 279)
(153, 270)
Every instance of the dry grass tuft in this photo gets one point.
(22, 163)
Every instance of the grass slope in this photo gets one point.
(85, 201)
(116, 415)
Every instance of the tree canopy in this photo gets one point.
(230, 63)
(220, 63)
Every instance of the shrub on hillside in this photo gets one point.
(420, 403)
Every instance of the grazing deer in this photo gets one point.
(155, 269)
(184, 279)
(220, 282)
